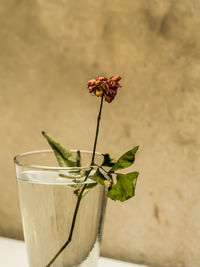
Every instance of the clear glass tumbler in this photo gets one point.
(48, 198)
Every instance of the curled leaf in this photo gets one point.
(101, 179)
(108, 161)
(63, 155)
(78, 158)
(124, 187)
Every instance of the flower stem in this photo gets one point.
(97, 131)
(72, 227)
(81, 193)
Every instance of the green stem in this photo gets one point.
(81, 193)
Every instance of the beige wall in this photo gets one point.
(48, 50)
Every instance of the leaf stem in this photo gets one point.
(102, 168)
(81, 193)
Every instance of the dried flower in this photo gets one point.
(102, 86)
(123, 187)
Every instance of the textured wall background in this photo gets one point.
(49, 49)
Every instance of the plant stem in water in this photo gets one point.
(81, 193)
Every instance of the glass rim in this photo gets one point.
(45, 167)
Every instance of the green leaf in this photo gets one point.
(124, 187)
(63, 155)
(108, 161)
(125, 160)
(98, 177)
(78, 158)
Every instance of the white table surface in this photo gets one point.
(13, 254)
